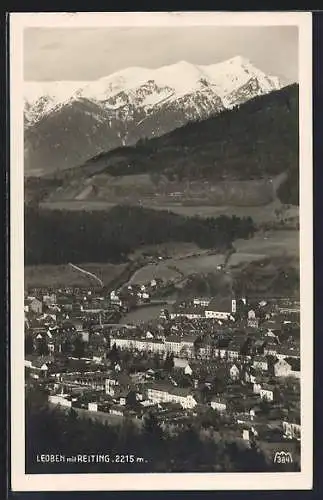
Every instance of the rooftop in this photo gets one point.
(220, 304)
(164, 387)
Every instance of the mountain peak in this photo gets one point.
(183, 64)
(137, 89)
(239, 60)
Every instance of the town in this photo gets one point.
(230, 364)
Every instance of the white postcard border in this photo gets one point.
(152, 481)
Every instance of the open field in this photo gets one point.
(87, 205)
(65, 275)
(260, 214)
(186, 259)
(177, 268)
(270, 243)
(169, 249)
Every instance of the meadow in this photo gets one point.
(65, 275)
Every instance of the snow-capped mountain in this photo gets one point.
(42, 97)
(69, 122)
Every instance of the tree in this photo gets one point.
(218, 385)
(205, 393)
(197, 346)
(42, 347)
(157, 361)
(29, 344)
(72, 415)
(264, 406)
(78, 345)
(131, 400)
(67, 346)
(169, 362)
(210, 418)
(151, 426)
(114, 354)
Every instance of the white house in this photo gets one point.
(60, 400)
(270, 349)
(256, 387)
(249, 432)
(161, 393)
(92, 406)
(218, 404)
(117, 410)
(202, 301)
(37, 364)
(183, 364)
(260, 363)
(292, 430)
(32, 304)
(189, 313)
(115, 298)
(267, 392)
(51, 348)
(252, 321)
(188, 370)
(221, 308)
(110, 386)
(173, 344)
(284, 368)
(146, 344)
(234, 372)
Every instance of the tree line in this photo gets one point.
(59, 236)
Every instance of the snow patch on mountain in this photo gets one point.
(138, 87)
(41, 98)
(228, 76)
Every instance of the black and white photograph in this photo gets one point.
(161, 251)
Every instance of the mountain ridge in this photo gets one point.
(239, 157)
(67, 125)
(129, 78)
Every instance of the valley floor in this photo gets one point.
(184, 260)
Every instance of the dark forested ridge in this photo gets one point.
(59, 237)
(258, 138)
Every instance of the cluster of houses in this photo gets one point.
(230, 308)
(107, 388)
(92, 300)
(242, 366)
(221, 308)
(134, 293)
(230, 346)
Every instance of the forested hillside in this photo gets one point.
(260, 137)
(59, 237)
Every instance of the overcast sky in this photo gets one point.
(90, 53)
